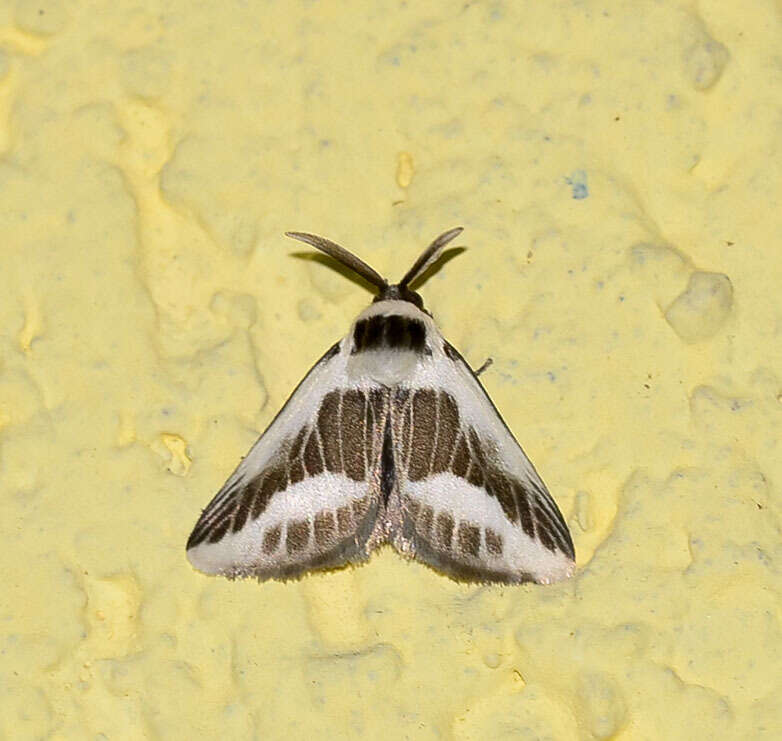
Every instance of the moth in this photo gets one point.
(390, 438)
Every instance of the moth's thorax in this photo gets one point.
(387, 340)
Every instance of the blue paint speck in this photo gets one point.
(578, 184)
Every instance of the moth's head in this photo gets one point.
(386, 292)
(398, 292)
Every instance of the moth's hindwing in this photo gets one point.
(307, 494)
(472, 504)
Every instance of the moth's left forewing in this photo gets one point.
(306, 494)
(473, 504)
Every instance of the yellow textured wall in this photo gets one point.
(617, 169)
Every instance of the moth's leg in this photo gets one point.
(484, 367)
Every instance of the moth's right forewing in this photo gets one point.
(473, 504)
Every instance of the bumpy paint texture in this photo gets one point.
(617, 169)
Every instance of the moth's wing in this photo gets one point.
(472, 504)
(305, 496)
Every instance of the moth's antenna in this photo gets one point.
(340, 254)
(429, 255)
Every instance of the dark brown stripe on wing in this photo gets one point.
(469, 539)
(425, 520)
(218, 511)
(344, 520)
(328, 428)
(403, 419)
(545, 522)
(271, 539)
(259, 503)
(447, 432)
(499, 486)
(461, 457)
(243, 509)
(527, 523)
(297, 535)
(353, 428)
(477, 449)
(325, 528)
(443, 530)
(424, 424)
(475, 474)
(560, 530)
(360, 508)
(218, 532)
(197, 537)
(284, 476)
(274, 480)
(245, 502)
(493, 542)
(297, 443)
(545, 537)
(295, 463)
(313, 456)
